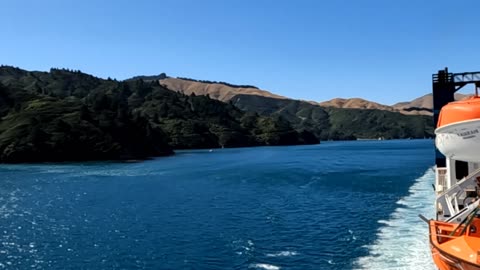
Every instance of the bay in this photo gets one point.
(337, 205)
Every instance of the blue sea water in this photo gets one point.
(337, 205)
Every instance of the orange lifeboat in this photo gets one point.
(458, 111)
(458, 130)
(456, 246)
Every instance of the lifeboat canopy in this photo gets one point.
(459, 111)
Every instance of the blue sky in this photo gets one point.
(384, 51)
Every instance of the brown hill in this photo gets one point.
(422, 105)
(225, 92)
(220, 91)
(419, 106)
(416, 107)
(425, 101)
(355, 103)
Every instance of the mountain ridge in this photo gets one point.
(64, 115)
(217, 90)
(225, 92)
(338, 119)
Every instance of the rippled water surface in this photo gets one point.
(338, 205)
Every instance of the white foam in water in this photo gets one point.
(264, 266)
(282, 254)
(402, 241)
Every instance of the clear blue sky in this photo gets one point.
(379, 50)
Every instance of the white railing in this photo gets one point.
(450, 198)
(440, 180)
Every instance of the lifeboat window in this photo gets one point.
(461, 169)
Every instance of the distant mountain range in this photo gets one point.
(331, 120)
(226, 92)
(419, 106)
(69, 115)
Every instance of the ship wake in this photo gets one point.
(402, 241)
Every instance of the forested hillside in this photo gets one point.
(337, 119)
(68, 115)
(329, 123)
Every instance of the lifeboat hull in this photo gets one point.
(460, 141)
(446, 262)
(454, 252)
